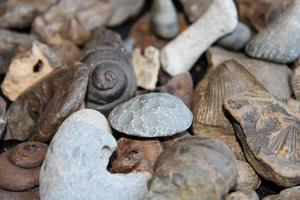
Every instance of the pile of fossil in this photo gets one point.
(150, 100)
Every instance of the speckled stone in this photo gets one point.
(151, 115)
(76, 163)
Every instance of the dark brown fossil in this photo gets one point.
(20, 166)
(40, 110)
(26, 195)
(112, 79)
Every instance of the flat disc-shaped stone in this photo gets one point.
(151, 115)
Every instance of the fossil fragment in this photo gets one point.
(295, 81)
(280, 41)
(292, 193)
(112, 79)
(180, 54)
(227, 79)
(268, 129)
(243, 195)
(247, 178)
(39, 111)
(195, 8)
(151, 115)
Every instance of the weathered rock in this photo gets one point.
(194, 168)
(164, 21)
(124, 9)
(67, 51)
(27, 68)
(268, 130)
(295, 81)
(151, 115)
(243, 195)
(195, 8)
(136, 155)
(247, 178)
(274, 77)
(80, 152)
(111, 78)
(72, 20)
(280, 41)
(146, 67)
(236, 40)
(20, 14)
(2, 116)
(180, 55)
(292, 193)
(40, 110)
(27, 195)
(169, 141)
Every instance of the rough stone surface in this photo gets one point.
(292, 193)
(243, 195)
(146, 67)
(75, 166)
(247, 178)
(268, 129)
(180, 54)
(151, 115)
(194, 168)
(195, 8)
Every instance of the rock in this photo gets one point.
(80, 151)
(39, 111)
(274, 77)
(292, 193)
(2, 116)
(180, 54)
(280, 41)
(151, 115)
(236, 40)
(195, 8)
(136, 155)
(72, 20)
(227, 79)
(111, 78)
(27, 195)
(67, 51)
(124, 9)
(180, 86)
(146, 67)
(295, 81)
(194, 168)
(247, 178)
(268, 130)
(163, 18)
(27, 68)
(169, 141)
(243, 195)
(20, 14)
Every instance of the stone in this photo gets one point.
(195, 8)
(295, 80)
(268, 129)
(27, 195)
(236, 40)
(146, 67)
(247, 178)
(27, 68)
(243, 195)
(151, 115)
(193, 168)
(111, 78)
(163, 17)
(274, 77)
(80, 152)
(180, 54)
(123, 10)
(72, 20)
(280, 41)
(39, 111)
(292, 193)
(2, 116)
(136, 155)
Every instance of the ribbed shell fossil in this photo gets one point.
(227, 79)
(269, 132)
(112, 79)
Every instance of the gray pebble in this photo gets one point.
(151, 115)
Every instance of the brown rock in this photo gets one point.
(169, 141)
(27, 195)
(247, 178)
(243, 195)
(292, 193)
(268, 130)
(40, 110)
(195, 8)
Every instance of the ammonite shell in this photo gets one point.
(40, 110)
(269, 132)
(112, 79)
(228, 78)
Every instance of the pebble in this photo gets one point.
(268, 130)
(180, 54)
(243, 195)
(195, 8)
(146, 67)
(27, 195)
(295, 81)
(76, 164)
(247, 178)
(163, 18)
(280, 41)
(236, 40)
(151, 115)
(292, 193)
